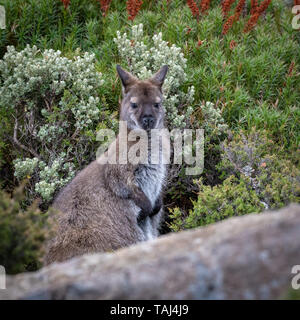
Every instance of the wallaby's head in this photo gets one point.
(141, 105)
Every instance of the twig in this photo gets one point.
(19, 144)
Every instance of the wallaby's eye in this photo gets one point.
(133, 105)
(156, 105)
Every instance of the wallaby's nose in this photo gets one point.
(148, 122)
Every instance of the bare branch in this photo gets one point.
(19, 144)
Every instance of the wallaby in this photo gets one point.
(109, 206)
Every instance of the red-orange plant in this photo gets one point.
(291, 68)
(254, 18)
(235, 17)
(66, 3)
(133, 7)
(263, 6)
(238, 10)
(104, 5)
(226, 5)
(193, 6)
(228, 24)
(232, 44)
(204, 5)
(254, 5)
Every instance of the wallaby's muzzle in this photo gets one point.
(148, 122)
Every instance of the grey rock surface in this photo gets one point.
(247, 257)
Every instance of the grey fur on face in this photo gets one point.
(142, 101)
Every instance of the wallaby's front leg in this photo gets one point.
(143, 202)
(157, 206)
(121, 181)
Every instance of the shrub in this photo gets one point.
(233, 197)
(145, 56)
(54, 102)
(275, 179)
(22, 233)
(215, 131)
(255, 179)
(213, 122)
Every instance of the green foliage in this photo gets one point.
(249, 85)
(250, 82)
(232, 198)
(213, 124)
(275, 179)
(55, 103)
(48, 25)
(254, 180)
(22, 233)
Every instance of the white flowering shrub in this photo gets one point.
(50, 178)
(54, 103)
(25, 168)
(213, 124)
(145, 56)
(46, 76)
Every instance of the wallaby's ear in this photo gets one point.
(127, 78)
(159, 77)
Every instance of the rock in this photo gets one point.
(247, 257)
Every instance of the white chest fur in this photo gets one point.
(150, 179)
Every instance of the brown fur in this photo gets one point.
(101, 206)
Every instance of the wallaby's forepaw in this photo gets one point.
(146, 210)
(157, 206)
(142, 216)
(150, 212)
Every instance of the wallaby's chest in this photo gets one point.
(150, 179)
